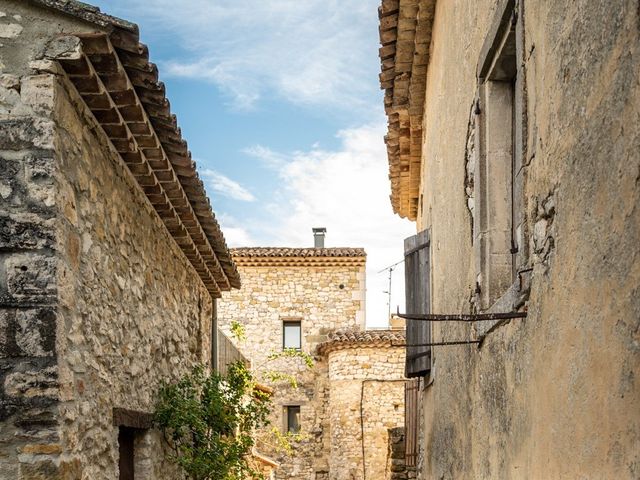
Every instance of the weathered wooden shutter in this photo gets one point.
(411, 422)
(416, 268)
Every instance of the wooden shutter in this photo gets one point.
(411, 422)
(417, 291)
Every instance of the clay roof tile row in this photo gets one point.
(345, 339)
(297, 252)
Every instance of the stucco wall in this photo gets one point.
(555, 395)
(99, 305)
(313, 295)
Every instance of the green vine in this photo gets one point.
(209, 421)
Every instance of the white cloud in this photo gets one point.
(309, 52)
(235, 232)
(347, 191)
(225, 186)
(266, 155)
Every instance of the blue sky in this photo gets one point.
(280, 104)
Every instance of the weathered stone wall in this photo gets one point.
(555, 395)
(312, 294)
(397, 468)
(366, 399)
(97, 303)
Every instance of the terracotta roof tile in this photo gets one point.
(343, 339)
(298, 257)
(297, 252)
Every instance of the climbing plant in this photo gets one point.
(208, 420)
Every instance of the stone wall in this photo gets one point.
(98, 304)
(396, 464)
(366, 399)
(560, 384)
(323, 298)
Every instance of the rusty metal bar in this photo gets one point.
(461, 317)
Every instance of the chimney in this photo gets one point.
(318, 237)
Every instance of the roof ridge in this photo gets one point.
(87, 12)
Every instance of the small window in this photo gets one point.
(292, 334)
(292, 418)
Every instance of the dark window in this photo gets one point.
(292, 413)
(126, 441)
(292, 334)
(417, 278)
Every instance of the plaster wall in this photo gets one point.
(555, 395)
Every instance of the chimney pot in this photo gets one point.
(318, 236)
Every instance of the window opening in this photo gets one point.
(292, 334)
(292, 418)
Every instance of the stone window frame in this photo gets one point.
(499, 235)
(291, 320)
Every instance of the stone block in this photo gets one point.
(35, 333)
(38, 91)
(26, 231)
(40, 420)
(10, 177)
(30, 275)
(26, 133)
(32, 383)
(40, 470)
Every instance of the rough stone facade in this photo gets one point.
(98, 303)
(356, 384)
(324, 293)
(366, 398)
(554, 395)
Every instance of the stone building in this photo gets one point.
(301, 298)
(366, 398)
(513, 143)
(110, 256)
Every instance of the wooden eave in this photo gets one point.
(118, 84)
(405, 35)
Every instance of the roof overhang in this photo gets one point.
(112, 74)
(344, 340)
(405, 36)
